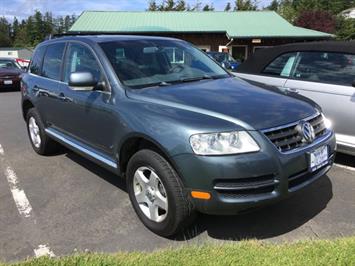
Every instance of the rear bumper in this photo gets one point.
(246, 181)
(15, 85)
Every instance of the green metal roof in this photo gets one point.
(243, 24)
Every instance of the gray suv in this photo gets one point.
(186, 135)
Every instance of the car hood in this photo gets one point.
(231, 99)
(10, 72)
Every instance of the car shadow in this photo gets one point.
(269, 221)
(97, 170)
(6, 90)
(345, 159)
(260, 223)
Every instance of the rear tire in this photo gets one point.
(152, 181)
(40, 142)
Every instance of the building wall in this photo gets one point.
(213, 40)
(9, 53)
(216, 41)
(12, 53)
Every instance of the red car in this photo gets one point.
(10, 74)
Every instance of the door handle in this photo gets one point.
(292, 90)
(63, 98)
(40, 92)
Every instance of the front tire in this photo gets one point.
(156, 193)
(40, 142)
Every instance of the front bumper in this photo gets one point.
(244, 181)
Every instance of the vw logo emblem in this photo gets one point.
(307, 132)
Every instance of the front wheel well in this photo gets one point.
(26, 106)
(133, 145)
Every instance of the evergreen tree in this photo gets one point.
(208, 8)
(152, 6)
(5, 31)
(181, 6)
(245, 5)
(15, 28)
(274, 5)
(228, 7)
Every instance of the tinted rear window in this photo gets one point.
(53, 61)
(36, 62)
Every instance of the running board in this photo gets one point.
(80, 147)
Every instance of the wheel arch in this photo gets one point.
(136, 142)
(26, 106)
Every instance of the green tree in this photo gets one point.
(287, 10)
(180, 6)
(245, 5)
(274, 5)
(5, 31)
(345, 28)
(228, 7)
(208, 7)
(152, 6)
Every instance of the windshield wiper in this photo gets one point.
(192, 79)
(155, 84)
(199, 78)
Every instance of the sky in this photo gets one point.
(23, 8)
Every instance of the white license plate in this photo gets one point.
(318, 158)
(8, 82)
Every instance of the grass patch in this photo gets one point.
(320, 252)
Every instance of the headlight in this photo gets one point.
(327, 122)
(223, 143)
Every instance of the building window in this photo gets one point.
(175, 55)
(205, 48)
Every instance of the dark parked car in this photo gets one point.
(187, 136)
(322, 71)
(10, 74)
(225, 59)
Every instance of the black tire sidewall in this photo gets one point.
(162, 168)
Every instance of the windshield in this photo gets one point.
(146, 63)
(9, 64)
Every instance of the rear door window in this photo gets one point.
(36, 62)
(53, 61)
(324, 67)
(281, 66)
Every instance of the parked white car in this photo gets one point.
(321, 71)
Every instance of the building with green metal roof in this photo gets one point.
(241, 32)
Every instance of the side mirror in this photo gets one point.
(82, 81)
(24, 68)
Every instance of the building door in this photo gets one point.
(240, 52)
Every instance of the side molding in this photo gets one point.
(80, 147)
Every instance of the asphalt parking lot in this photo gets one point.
(65, 203)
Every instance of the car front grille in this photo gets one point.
(244, 187)
(289, 138)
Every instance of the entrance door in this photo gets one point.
(240, 52)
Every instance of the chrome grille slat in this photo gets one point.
(288, 138)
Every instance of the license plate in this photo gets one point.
(8, 82)
(318, 158)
